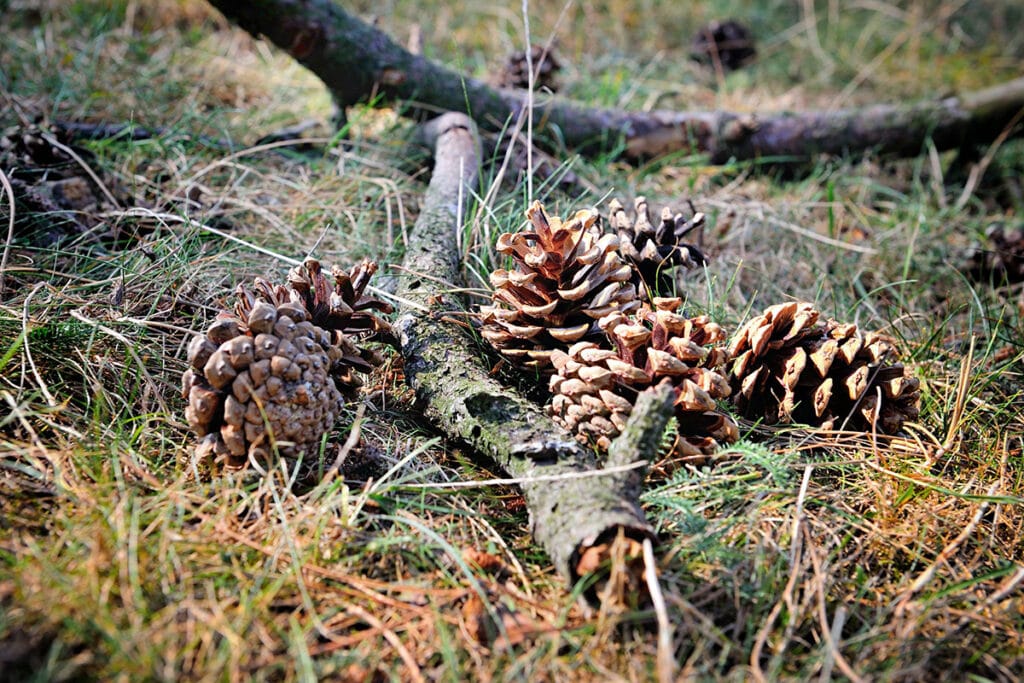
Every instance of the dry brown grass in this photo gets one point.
(804, 555)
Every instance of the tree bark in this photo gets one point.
(572, 503)
(357, 62)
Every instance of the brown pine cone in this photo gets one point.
(564, 277)
(656, 251)
(594, 388)
(267, 377)
(516, 72)
(728, 43)
(788, 366)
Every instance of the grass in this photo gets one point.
(805, 555)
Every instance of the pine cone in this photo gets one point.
(655, 251)
(787, 366)
(594, 388)
(46, 179)
(345, 312)
(728, 43)
(565, 277)
(516, 71)
(268, 376)
(1002, 257)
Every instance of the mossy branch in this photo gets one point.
(357, 62)
(572, 502)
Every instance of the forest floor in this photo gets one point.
(807, 555)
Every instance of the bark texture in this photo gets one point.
(570, 507)
(641, 439)
(357, 61)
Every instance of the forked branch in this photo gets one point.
(573, 504)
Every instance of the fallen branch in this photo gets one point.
(570, 510)
(358, 62)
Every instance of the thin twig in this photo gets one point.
(925, 577)
(288, 538)
(666, 640)
(353, 439)
(833, 633)
(28, 350)
(538, 479)
(810, 234)
(787, 592)
(255, 149)
(391, 637)
(149, 213)
(529, 101)
(978, 171)
(130, 349)
(9, 192)
(960, 403)
(85, 167)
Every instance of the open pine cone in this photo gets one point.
(565, 277)
(728, 43)
(594, 388)
(1002, 257)
(274, 373)
(655, 250)
(788, 366)
(516, 72)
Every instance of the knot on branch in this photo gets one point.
(546, 450)
(304, 38)
(738, 129)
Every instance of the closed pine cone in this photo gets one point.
(266, 377)
(788, 366)
(655, 250)
(565, 277)
(594, 388)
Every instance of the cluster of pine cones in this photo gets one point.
(273, 374)
(593, 310)
(581, 306)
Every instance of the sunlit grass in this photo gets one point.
(800, 554)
